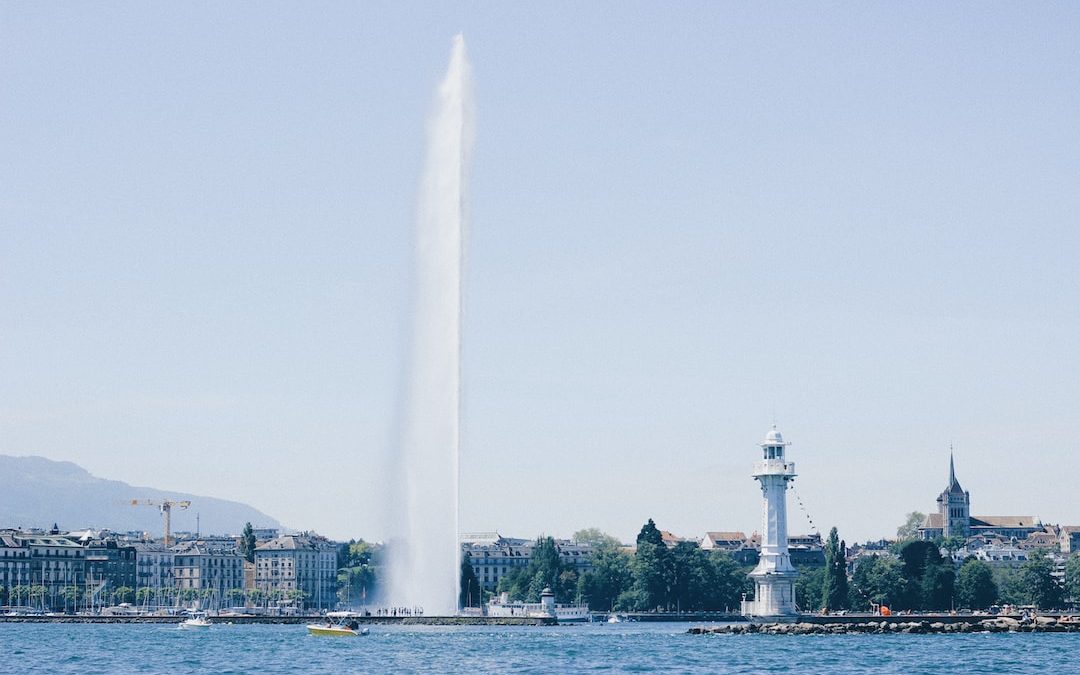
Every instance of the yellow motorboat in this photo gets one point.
(348, 629)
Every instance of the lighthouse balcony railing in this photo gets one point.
(778, 467)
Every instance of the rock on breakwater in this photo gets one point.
(997, 624)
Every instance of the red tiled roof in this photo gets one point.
(726, 536)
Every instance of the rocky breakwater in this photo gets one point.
(997, 624)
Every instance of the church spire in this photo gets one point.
(954, 505)
(954, 485)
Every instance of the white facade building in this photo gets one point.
(774, 576)
(305, 563)
(198, 567)
(153, 566)
(493, 556)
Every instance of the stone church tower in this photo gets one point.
(954, 505)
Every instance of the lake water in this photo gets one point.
(133, 648)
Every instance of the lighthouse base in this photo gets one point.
(774, 598)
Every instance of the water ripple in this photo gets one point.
(632, 648)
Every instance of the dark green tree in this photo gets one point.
(937, 583)
(919, 593)
(256, 596)
(358, 571)
(357, 554)
(38, 591)
(975, 587)
(247, 543)
(729, 582)
(913, 555)
(652, 568)
(513, 583)
(696, 582)
(18, 592)
(834, 592)
(808, 588)
(70, 594)
(609, 578)
(545, 567)
(652, 574)
(1011, 588)
(235, 596)
(952, 543)
(545, 570)
(566, 590)
(297, 597)
(887, 582)
(123, 594)
(1072, 579)
(685, 564)
(1043, 589)
(858, 594)
(650, 533)
(470, 593)
(632, 600)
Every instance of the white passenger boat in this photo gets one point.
(545, 609)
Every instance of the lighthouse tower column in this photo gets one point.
(774, 576)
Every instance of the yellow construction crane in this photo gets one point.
(166, 507)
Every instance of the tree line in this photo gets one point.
(652, 577)
(916, 577)
(913, 575)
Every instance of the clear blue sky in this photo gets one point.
(688, 220)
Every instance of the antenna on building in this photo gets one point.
(198, 531)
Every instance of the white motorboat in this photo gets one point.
(196, 621)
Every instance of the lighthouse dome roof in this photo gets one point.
(774, 437)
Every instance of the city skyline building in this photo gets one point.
(305, 564)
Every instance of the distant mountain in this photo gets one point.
(37, 492)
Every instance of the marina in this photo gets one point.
(240, 620)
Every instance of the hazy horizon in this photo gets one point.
(686, 223)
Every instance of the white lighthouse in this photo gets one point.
(774, 577)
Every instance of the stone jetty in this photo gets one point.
(995, 624)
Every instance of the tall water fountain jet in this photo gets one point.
(424, 565)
